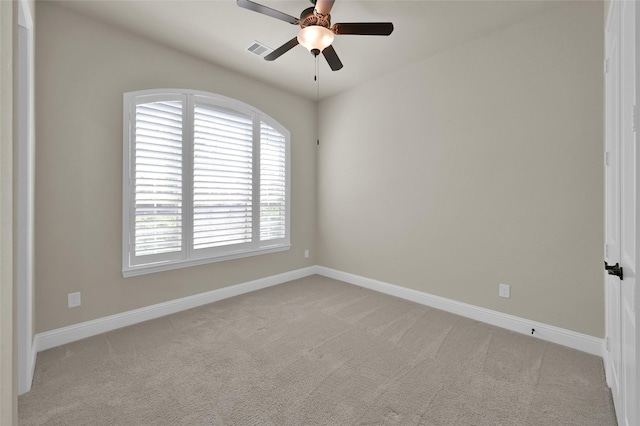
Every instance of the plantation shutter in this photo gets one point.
(158, 178)
(273, 211)
(205, 179)
(222, 178)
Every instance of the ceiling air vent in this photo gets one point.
(259, 49)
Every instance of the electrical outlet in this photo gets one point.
(306, 253)
(73, 300)
(504, 290)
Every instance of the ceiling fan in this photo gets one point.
(316, 32)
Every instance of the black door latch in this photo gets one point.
(613, 269)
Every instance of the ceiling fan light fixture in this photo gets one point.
(315, 37)
(317, 33)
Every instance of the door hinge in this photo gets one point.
(606, 251)
(606, 158)
(607, 344)
(616, 270)
(634, 120)
(606, 66)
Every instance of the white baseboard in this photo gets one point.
(550, 333)
(61, 336)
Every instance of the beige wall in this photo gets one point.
(8, 346)
(83, 68)
(479, 166)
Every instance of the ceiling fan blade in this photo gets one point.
(363, 28)
(247, 4)
(323, 7)
(332, 58)
(282, 49)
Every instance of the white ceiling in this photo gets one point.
(219, 31)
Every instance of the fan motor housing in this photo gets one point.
(309, 17)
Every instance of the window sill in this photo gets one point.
(168, 266)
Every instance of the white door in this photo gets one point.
(613, 359)
(622, 210)
(629, 209)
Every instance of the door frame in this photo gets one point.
(26, 190)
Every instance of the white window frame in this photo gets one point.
(132, 265)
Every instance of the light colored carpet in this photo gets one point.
(316, 352)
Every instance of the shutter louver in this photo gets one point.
(222, 178)
(272, 184)
(158, 178)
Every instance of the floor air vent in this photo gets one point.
(259, 49)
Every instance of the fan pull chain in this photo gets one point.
(317, 80)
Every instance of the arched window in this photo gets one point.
(206, 178)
